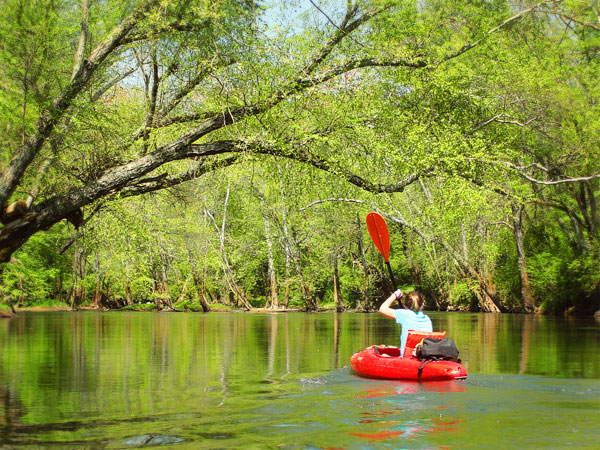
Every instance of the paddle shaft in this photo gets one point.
(387, 263)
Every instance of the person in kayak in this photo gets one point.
(410, 317)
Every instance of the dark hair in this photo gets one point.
(414, 300)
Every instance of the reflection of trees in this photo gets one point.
(273, 319)
(12, 413)
(336, 339)
(489, 331)
(366, 328)
(287, 345)
(133, 364)
(77, 353)
(384, 418)
(525, 341)
(12, 409)
(226, 352)
(488, 338)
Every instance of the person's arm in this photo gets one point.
(385, 307)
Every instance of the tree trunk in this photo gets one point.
(128, 298)
(286, 243)
(309, 302)
(77, 295)
(200, 287)
(286, 294)
(272, 299)
(183, 291)
(163, 284)
(21, 296)
(587, 206)
(488, 296)
(201, 293)
(58, 288)
(97, 300)
(529, 302)
(363, 304)
(83, 39)
(337, 293)
(227, 271)
(593, 208)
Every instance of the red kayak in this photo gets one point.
(385, 362)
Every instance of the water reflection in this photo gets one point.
(406, 411)
(385, 388)
(83, 377)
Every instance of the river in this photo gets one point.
(282, 381)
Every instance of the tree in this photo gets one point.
(204, 94)
(452, 122)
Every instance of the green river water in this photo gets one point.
(282, 381)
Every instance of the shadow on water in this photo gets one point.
(18, 433)
(151, 440)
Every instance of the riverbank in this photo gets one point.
(6, 312)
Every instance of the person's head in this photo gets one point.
(414, 300)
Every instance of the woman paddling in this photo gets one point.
(410, 317)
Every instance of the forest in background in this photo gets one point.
(182, 155)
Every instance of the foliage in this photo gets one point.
(38, 271)
(261, 143)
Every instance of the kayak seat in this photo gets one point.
(415, 337)
(387, 352)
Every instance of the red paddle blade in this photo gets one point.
(379, 233)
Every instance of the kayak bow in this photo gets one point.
(380, 361)
(385, 362)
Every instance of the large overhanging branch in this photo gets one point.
(153, 184)
(128, 178)
(301, 155)
(13, 174)
(232, 146)
(173, 27)
(165, 181)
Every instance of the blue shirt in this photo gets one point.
(410, 320)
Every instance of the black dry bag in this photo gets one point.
(437, 349)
